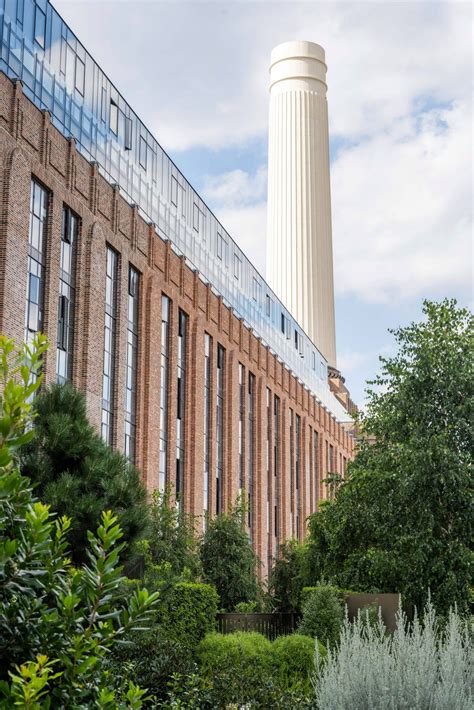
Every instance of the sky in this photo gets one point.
(400, 122)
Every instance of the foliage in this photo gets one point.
(288, 576)
(293, 660)
(191, 614)
(77, 474)
(402, 521)
(415, 668)
(342, 594)
(228, 561)
(322, 615)
(171, 544)
(246, 608)
(57, 623)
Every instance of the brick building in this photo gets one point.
(189, 362)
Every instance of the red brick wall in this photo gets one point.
(31, 146)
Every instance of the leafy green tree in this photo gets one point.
(288, 576)
(228, 561)
(78, 474)
(57, 622)
(402, 521)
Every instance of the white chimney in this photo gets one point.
(299, 239)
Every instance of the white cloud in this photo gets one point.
(402, 209)
(236, 188)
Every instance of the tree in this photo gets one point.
(288, 576)
(227, 559)
(402, 520)
(57, 622)
(78, 474)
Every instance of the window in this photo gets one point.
(316, 464)
(255, 289)
(297, 472)
(132, 362)
(196, 217)
(80, 75)
(276, 464)
(40, 26)
(207, 421)
(237, 266)
(180, 404)
(113, 117)
(220, 246)
(103, 105)
(268, 306)
(128, 134)
(219, 427)
(250, 448)
(285, 326)
(69, 233)
(110, 329)
(241, 425)
(164, 366)
(174, 191)
(20, 8)
(142, 151)
(36, 260)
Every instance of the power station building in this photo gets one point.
(189, 361)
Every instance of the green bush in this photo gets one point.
(342, 594)
(288, 575)
(293, 661)
(190, 614)
(238, 665)
(57, 622)
(322, 615)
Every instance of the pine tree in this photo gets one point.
(78, 474)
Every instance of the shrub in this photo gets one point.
(76, 473)
(418, 667)
(57, 622)
(342, 594)
(322, 615)
(191, 614)
(228, 560)
(287, 576)
(293, 661)
(238, 665)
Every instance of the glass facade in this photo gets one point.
(180, 404)
(207, 421)
(59, 75)
(110, 334)
(69, 234)
(220, 364)
(165, 356)
(36, 260)
(132, 364)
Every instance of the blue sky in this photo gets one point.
(400, 113)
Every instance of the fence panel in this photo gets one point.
(270, 625)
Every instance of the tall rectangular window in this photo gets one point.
(69, 233)
(132, 364)
(180, 405)
(207, 421)
(241, 426)
(250, 448)
(110, 331)
(219, 427)
(297, 472)
(36, 260)
(269, 473)
(292, 471)
(316, 465)
(40, 26)
(276, 464)
(165, 333)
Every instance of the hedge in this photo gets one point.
(293, 661)
(190, 613)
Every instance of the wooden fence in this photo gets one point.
(270, 625)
